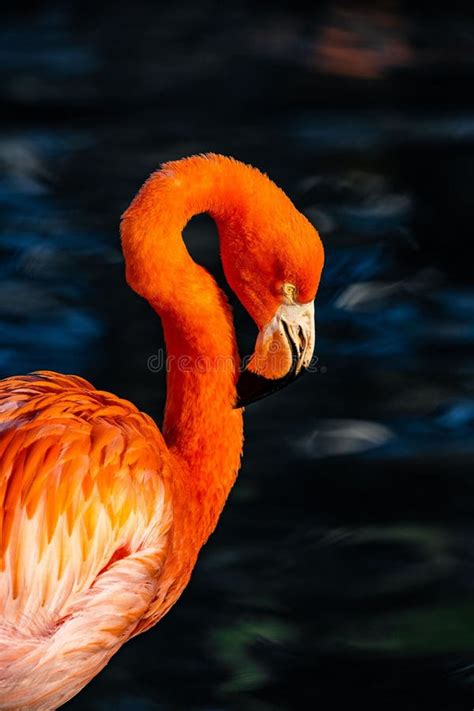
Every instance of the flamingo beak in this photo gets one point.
(283, 352)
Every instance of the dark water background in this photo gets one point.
(342, 571)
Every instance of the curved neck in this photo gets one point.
(201, 427)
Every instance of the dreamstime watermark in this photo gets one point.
(274, 362)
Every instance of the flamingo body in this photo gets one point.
(101, 516)
(86, 507)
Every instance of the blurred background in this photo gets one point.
(342, 571)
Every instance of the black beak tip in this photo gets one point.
(252, 387)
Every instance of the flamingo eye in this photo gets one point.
(289, 292)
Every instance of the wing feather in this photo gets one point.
(82, 486)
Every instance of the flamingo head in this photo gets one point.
(273, 258)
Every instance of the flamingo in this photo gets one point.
(102, 516)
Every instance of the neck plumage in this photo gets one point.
(201, 427)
